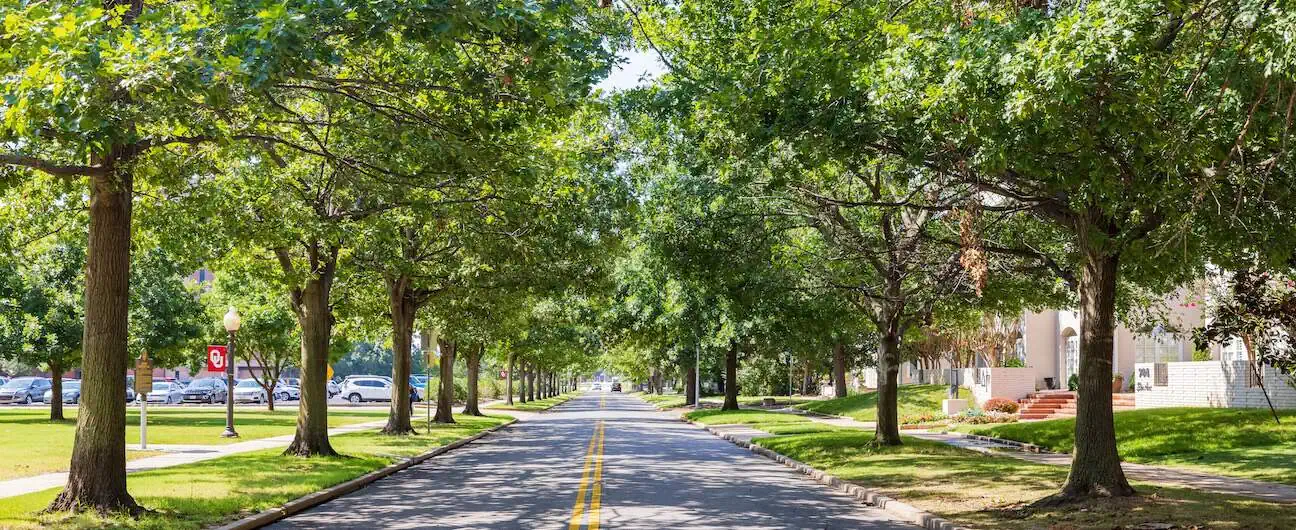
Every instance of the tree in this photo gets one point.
(46, 297)
(268, 335)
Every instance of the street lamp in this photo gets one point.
(232, 323)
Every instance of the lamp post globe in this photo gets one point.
(232, 323)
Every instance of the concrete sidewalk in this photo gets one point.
(1220, 484)
(174, 455)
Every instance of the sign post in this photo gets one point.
(143, 384)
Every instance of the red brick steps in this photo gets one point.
(1052, 404)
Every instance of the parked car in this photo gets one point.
(361, 389)
(286, 391)
(333, 389)
(71, 392)
(417, 389)
(3, 380)
(206, 390)
(290, 381)
(616, 387)
(249, 391)
(25, 390)
(130, 391)
(166, 392)
(596, 387)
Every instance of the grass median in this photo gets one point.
(995, 492)
(1236, 442)
(46, 446)
(211, 492)
(674, 401)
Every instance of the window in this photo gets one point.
(1234, 350)
(1072, 357)
(1157, 347)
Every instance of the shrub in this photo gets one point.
(1014, 362)
(1006, 406)
(1198, 355)
(1073, 383)
(928, 417)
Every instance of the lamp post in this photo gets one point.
(232, 323)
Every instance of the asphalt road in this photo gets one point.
(634, 467)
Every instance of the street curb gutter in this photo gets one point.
(312, 500)
(889, 505)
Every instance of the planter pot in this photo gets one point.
(1118, 385)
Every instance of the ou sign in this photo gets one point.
(217, 358)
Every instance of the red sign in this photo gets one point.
(217, 358)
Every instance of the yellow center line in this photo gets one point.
(597, 495)
(579, 510)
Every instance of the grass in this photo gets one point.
(994, 492)
(1236, 442)
(46, 446)
(747, 416)
(219, 490)
(913, 400)
(538, 405)
(674, 401)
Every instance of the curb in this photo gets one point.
(312, 500)
(887, 504)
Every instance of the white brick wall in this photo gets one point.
(1210, 384)
(1009, 383)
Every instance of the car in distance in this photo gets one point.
(596, 387)
(333, 389)
(166, 392)
(206, 390)
(249, 391)
(24, 390)
(361, 389)
(616, 387)
(71, 392)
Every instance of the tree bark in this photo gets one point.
(888, 370)
(690, 386)
(1095, 468)
(731, 378)
(474, 369)
(508, 379)
(839, 370)
(56, 391)
(404, 309)
(446, 395)
(531, 382)
(315, 317)
(97, 473)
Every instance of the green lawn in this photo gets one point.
(219, 490)
(673, 401)
(746, 416)
(993, 492)
(47, 446)
(913, 400)
(537, 405)
(1237, 442)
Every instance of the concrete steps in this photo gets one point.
(1050, 404)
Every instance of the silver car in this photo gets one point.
(166, 392)
(24, 390)
(71, 392)
(249, 391)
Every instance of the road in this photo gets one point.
(634, 467)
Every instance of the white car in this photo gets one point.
(285, 391)
(361, 389)
(165, 392)
(249, 391)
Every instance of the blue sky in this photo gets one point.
(640, 64)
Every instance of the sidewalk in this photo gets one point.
(1224, 485)
(176, 455)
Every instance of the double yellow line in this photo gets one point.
(594, 462)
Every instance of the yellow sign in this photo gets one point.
(330, 372)
(143, 374)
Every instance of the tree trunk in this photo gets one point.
(690, 386)
(97, 474)
(403, 312)
(508, 379)
(445, 397)
(888, 371)
(474, 368)
(56, 391)
(316, 321)
(531, 382)
(1095, 468)
(839, 370)
(731, 378)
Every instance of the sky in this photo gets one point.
(640, 64)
